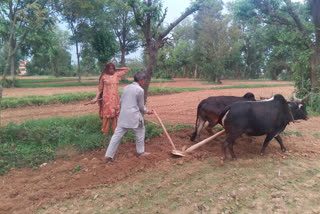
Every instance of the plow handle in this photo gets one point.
(164, 129)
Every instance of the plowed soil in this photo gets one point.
(25, 190)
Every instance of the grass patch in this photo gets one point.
(169, 90)
(317, 135)
(37, 141)
(25, 81)
(12, 102)
(41, 84)
(250, 86)
(288, 133)
(60, 82)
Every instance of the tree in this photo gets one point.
(149, 17)
(104, 46)
(216, 41)
(77, 13)
(303, 22)
(21, 17)
(124, 27)
(49, 52)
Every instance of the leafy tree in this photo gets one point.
(121, 19)
(78, 13)
(303, 21)
(216, 41)
(49, 51)
(21, 17)
(104, 45)
(149, 17)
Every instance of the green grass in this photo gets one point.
(40, 83)
(12, 102)
(24, 81)
(251, 86)
(37, 141)
(169, 90)
(288, 133)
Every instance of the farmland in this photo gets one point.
(79, 182)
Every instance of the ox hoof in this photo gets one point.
(234, 158)
(262, 154)
(284, 149)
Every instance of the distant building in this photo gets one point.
(23, 67)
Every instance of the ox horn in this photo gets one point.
(306, 97)
(300, 100)
(294, 96)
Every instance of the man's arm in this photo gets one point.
(141, 106)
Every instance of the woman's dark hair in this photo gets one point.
(139, 76)
(107, 68)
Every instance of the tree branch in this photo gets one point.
(176, 22)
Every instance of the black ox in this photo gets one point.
(266, 117)
(210, 108)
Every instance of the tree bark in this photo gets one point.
(1, 89)
(78, 61)
(315, 58)
(152, 54)
(123, 59)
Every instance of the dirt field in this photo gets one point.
(175, 108)
(159, 183)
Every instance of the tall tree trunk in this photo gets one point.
(123, 59)
(315, 58)
(1, 89)
(152, 54)
(195, 73)
(78, 61)
(315, 70)
(12, 61)
(12, 69)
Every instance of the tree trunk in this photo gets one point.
(315, 70)
(152, 55)
(12, 61)
(315, 58)
(1, 89)
(123, 59)
(78, 61)
(195, 73)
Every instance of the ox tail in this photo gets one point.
(194, 135)
(223, 113)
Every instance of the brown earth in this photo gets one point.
(174, 108)
(26, 190)
(178, 83)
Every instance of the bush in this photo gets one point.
(314, 104)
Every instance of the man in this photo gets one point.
(132, 108)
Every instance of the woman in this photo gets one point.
(108, 96)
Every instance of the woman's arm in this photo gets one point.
(122, 71)
(100, 90)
